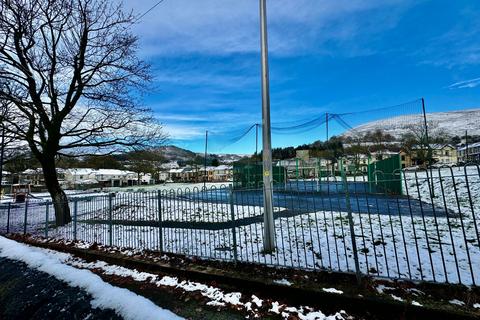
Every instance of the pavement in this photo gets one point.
(26, 293)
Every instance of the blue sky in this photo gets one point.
(337, 56)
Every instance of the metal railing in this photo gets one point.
(344, 223)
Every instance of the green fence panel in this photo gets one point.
(385, 175)
(246, 175)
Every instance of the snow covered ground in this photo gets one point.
(76, 272)
(441, 247)
(455, 188)
(105, 296)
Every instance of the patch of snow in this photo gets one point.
(382, 288)
(284, 282)
(275, 307)
(457, 302)
(415, 303)
(216, 303)
(416, 291)
(476, 305)
(125, 303)
(332, 290)
(233, 298)
(257, 301)
(396, 298)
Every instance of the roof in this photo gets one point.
(224, 167)
(470, 145)
(32, 171)
(435, 146)
(80, 171)
(112, 172)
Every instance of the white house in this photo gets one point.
(101, 177)
(170, 165)
(163, 176)
(6, 178)
(470, 152)
(114, 177)
(79, 176)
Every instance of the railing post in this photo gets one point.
(47, 207)
(350, 223)
(232, 216)
(160, 224)
(75, 207)
(110, 229)
(8, 217)
(25, 218)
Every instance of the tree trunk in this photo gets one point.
(59, 198)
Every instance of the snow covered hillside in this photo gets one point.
(454, 123)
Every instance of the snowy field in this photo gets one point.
(440, 246)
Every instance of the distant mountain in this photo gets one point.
(173, 153)
(229, 158)
(453, 123)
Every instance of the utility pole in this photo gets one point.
(269, 223)
(205, 162)
(256, 138)
(429, 149)
(326, 122)
(466, 146)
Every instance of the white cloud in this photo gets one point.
(219, 27)
(183, 132)
(472, 83)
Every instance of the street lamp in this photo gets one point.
(269, 230)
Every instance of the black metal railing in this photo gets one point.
(428, 231)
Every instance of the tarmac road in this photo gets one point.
(30, 294)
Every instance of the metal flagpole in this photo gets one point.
(269, 230)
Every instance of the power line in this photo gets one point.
(149, 10)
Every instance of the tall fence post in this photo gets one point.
(47, 207)
(160, 224)
(75, 210)
(232, 216)
(25, 218)
(351, 223)
(110, 229)
(8, 217)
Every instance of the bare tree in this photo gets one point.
(69, 71)
(415, 143)
(8, 146)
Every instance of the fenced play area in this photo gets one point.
(427, 230)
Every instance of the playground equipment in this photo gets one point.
(21, 192)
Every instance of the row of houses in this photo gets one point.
(85, 178)
(79, 178)
(172, 172)
(442, 154)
